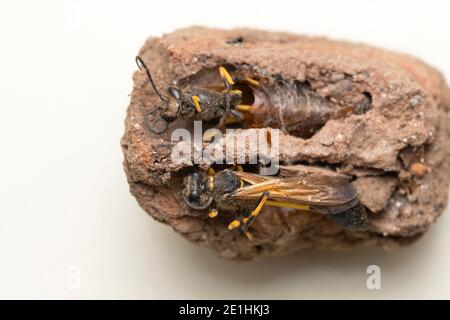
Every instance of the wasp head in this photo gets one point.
(174, 105)
(177, 105)
(196, 193)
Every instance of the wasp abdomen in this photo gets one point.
(295, 108)
(353, 218)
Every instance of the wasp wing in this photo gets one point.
(252, 178)
(324, 195)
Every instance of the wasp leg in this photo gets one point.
(227, 80)
(247, 233)
(232, 116)
(302, 207)
(196, 101)
(243, 107)
(248, 222)
(234, 224)
(252, 81)
(237, 222)
(213, 213)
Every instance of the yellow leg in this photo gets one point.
(260, 205)
(213, 213)
(249, 220)
(303, 207)
(243, 107)
(234, 224)
(196, 101)
(252, 81)
(226, 77)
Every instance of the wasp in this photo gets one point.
(245, 194)
(289, 105)
(197, 103)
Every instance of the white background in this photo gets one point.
(65, 209)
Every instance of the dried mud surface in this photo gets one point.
(396, 150)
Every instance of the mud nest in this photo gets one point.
(377, 117)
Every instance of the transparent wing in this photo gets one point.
(313, 191)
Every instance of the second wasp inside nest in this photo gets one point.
(256, 100)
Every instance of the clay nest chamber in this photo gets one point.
(379, 118)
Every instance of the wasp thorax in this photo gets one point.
(170, 112)
(195, 192)
(226, 182)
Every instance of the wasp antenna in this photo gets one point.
(141, 65)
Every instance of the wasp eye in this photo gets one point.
(194, 195)
(174, 92)
(229, 182)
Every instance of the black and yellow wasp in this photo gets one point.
(245, 194)
(209, 105)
